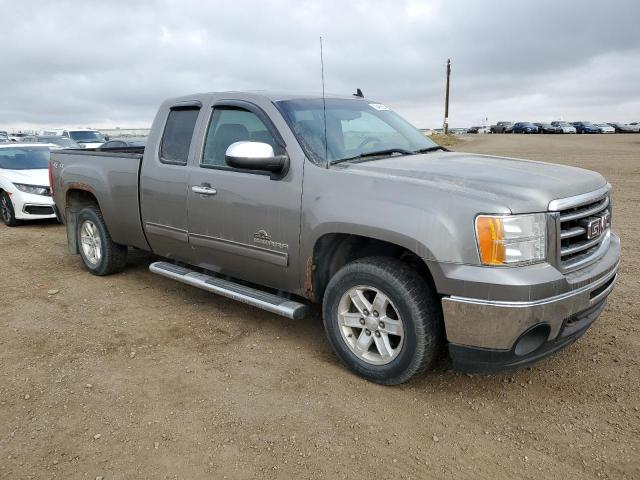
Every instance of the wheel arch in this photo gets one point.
(332, 251)
(77, 197)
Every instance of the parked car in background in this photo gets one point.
(86, 138)
(635, 126)
(17, 137)
(622, 127)
(605, 128)
(24, 183)
(4, 137)
(565, 126)
(547, 128)
(585, 127)
(502, 127)
(524, 127)
(60, 142)
(124, 143)
(478, 130)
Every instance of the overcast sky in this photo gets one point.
(110, 63)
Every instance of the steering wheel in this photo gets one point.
(367, 141)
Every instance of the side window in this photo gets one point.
(176, 139)
(230, 125)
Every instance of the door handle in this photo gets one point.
(203, 190)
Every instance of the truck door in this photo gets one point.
(242, 223)
(163, 182)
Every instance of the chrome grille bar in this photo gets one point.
(578, 247)
(572, 232)
(592, 210)
(574, 247)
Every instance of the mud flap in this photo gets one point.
(71, 216)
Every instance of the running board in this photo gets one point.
(251, 296)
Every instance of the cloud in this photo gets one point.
(111, 63)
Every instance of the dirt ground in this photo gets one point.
(135, 376)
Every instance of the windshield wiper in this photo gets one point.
(378, 153)
(431, 149)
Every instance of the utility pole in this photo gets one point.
(446, 99)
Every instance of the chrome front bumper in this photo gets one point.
(497, 324)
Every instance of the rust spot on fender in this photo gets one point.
(308, 280)
(79, 186)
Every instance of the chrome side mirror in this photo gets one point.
(255, 156)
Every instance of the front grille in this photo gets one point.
(575, 246)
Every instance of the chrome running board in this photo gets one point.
(251, 296)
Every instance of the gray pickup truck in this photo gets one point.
(283, 201)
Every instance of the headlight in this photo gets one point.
(511, 239)
(33, 189)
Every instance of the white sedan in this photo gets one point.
(24, 183)
(605, 128)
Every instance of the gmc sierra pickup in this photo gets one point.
(281, 201)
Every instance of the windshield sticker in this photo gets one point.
(378, 106)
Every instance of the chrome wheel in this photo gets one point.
(5, 209)
(370, 325)
(91, 242)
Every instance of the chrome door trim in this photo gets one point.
(229, 246)
(166, 231)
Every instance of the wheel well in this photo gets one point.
(334, 250)
(78, 199)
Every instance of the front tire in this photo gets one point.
(99, 253)
(382, 319)
(7, 211)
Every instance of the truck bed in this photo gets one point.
(112, 177)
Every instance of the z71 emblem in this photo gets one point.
(597, 226)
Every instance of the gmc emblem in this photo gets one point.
(597, 226)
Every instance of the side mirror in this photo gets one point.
(256, 156)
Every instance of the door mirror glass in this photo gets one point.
(254, 156)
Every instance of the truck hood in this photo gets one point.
(518, 185)
(38, 176)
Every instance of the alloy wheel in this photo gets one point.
(91, 242)
(370, 325)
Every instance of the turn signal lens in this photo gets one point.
(511, 239)
(490, 240)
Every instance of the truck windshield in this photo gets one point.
(354, 128)
(24, 158)
(87, 136)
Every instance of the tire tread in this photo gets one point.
(114, 255)
(421, 298)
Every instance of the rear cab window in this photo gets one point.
(177, 135)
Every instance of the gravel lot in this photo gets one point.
(136, 376)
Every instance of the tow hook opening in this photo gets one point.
(532, 339)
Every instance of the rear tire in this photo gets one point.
(394, 344)
(99, 253)
(7, 211)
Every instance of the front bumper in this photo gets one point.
(491, 332)
(28, 206)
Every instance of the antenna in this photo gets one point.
(324, 107)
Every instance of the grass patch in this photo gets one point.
(445, 140)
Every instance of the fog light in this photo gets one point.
(533, 339)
